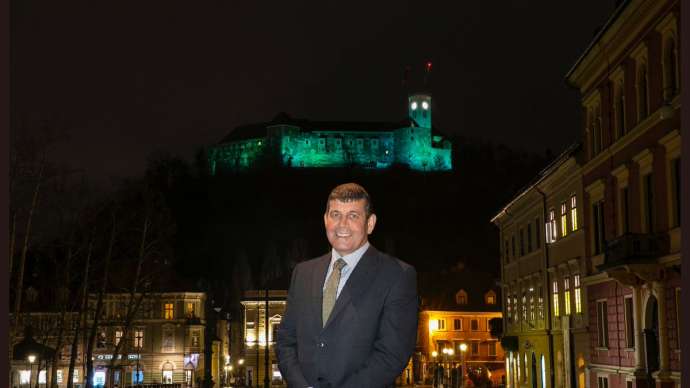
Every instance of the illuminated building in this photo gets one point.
(297, 143)
(542, 243)
(629, 82)
(457, 308)
(254, 341)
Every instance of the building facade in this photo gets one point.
(262, 314)
(542, 266)
(629, 80)
(454, 337)
(160, 340)
(310, 144)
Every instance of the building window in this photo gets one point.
(374, 144)
(509, 313)
(566, 295)
(492, 348)
(556, 310)
(602, 324)
(596, 135)
(506, 251)
(573, 213)
(648, 195)
(541, 302)
(620, 110)
(190, 310)
(168, 338)
(59, 376)
(139, 338)
(564, 219)
(42, 377)
(195, 338)
(602, 382)
(441, 324)
(532, 309)
(461, 297)
(457, 324)
(578, 295)
(625, 210)
(671, 84)
(168, 311)
(137, 377)
(75, 375)
(522, 242)
(118, 336)
(525, 369)
(475, 348)
(529, 238)
(598, 231)
(167, 373)
(515, 307)
(524, 306)
(101, 339)
(642, 93)
(474, 325)
(675, 191)
(490, 297)
(629, 324)
(537, 224)
(551, 231)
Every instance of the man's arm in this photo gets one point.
(396, 337)
(286, 340)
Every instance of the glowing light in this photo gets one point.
(463, 347)
(31, 358)
(425, 105)
(433, 325)
(241, 361)
(428, 66)
(451, 352)
(414, 105)
(434, 354)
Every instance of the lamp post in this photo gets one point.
(463, 349)
(31, 358)
(434, 354)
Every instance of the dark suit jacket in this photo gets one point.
(370, 334)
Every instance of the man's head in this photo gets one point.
(349, 218)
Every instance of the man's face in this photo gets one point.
(347, 225)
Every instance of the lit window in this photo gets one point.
(75, 375)
(573, 213)
(138, 338)
(425, 105)
(578, 295)
(190, 309)
(118, 336)
(566, 295)
(551, 231)
(524, 306)
(490, 297)
(195, 338)
(508, 308)
(556, 311)
(564, 219)
(59, 376)
(629, 323)
(24, 376)
(441, 324)
(42, 377)
(532, 309)
(137, 377)
(168, 312)
(515, 307)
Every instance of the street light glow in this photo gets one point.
(31, 358)
(434, 354)
(463, 347)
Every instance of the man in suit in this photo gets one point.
(351, 315)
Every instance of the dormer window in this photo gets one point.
(461, 297)
(490, 297)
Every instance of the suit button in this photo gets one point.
(322, 344)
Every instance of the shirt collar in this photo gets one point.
(351, 259)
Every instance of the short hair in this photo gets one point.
(350, 192)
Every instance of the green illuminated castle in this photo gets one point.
(297, 143)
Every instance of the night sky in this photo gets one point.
(148, 76)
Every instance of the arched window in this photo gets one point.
(167, 373)
(490, 297)
(461, 297)
(620, 109)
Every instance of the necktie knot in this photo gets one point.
(339, 264)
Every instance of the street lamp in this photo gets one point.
(463, 349)
(31, 358)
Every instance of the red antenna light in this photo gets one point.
(428, 66)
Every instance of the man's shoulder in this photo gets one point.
(312, 262)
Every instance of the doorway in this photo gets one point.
(651, 334)
(534, 371)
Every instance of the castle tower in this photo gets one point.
(419, 108)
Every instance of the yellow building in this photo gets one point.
(454, 332)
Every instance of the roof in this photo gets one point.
(258, 130)
(438, 290)
(616, 14)
(543, 174)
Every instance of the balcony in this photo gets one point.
(634, 248)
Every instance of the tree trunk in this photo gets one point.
(82, 318)
(25, 248)
(99, 307)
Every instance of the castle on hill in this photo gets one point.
(300, 143)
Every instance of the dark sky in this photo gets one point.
(128, 79)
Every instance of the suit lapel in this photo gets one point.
(357, 283)
(317, 282)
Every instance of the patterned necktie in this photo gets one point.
(331, 290)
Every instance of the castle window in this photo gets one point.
(461, 297)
